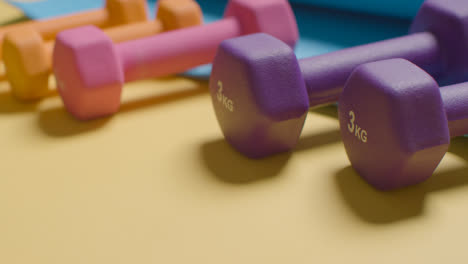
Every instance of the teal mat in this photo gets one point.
(395, 8)
(398, 8)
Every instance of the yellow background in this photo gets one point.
(156, 183)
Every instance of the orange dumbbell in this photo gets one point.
(28, 57)
(116, 12)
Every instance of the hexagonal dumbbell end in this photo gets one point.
(262, 16)
(176, 14)
(393, 123)
(29, 63)
(126, 11)
(258, 94)
(88, 72)
(448, 20)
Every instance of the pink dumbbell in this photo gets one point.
(91, 70)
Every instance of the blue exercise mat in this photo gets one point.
(322, 30)
(399, 8)
(39, 9)
(395, 8)
(325, 30)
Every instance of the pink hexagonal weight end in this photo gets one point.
(274, 17)
(88, 72)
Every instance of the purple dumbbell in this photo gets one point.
(396, 123)
(261, 93)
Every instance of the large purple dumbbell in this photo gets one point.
(396, 123)
(261, 92)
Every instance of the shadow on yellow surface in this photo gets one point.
(228, 165)
(379, 207)
(10, 105)
(57, 122)
(459, 147)
(375, 206)
(329, 110)
(163, 99)
(14, 21)
(317, 140)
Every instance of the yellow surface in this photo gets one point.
(157, 184)
(8, 13)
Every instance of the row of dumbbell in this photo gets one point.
(395, 121)
(90, 69)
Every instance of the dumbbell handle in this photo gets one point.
(125, 33)
(326, 75)
(135, 31)
(116, 34)
(175, 51)
(48, 28)
(455, 99)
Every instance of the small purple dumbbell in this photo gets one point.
(261, 93)
(396, 123)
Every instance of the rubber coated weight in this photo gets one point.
(406, 118)
(91, 70)
(261, 93)
(28, 57)
(116, 12)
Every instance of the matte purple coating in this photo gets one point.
(258, 94)
(249, 68)
(324, 76)
(406, 119)
(456, 108)
(448, 20)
